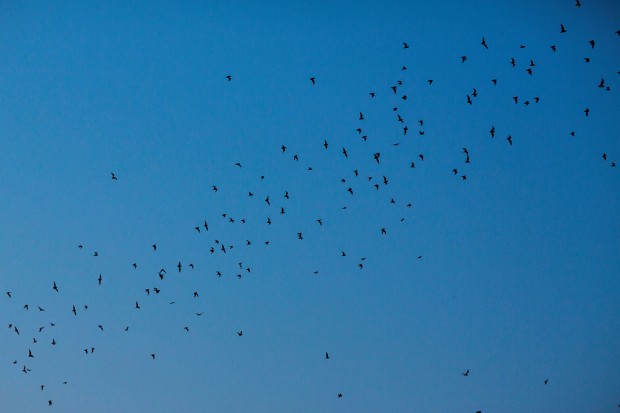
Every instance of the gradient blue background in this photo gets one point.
(519, 275)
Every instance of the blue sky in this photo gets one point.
(518, 276)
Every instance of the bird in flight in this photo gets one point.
(229, 77)
(466, 373)
(313, 80)
(55, 288)
(484, 43)
(114, 178)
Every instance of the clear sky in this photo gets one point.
(508, 267)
